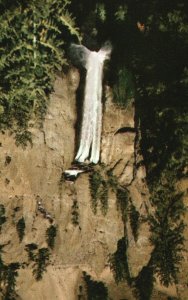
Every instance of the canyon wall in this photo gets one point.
(33, 187)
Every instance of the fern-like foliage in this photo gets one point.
(134, 221)
(123, 89)
(33, 36)
(2, 215)
(99, 191)
(95, 289)
(167, 229)
(8, 274)
(51, 233)
(119, 264)
(41, 262)
(20, 226)
(144, 284)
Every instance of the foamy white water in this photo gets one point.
(90, 137)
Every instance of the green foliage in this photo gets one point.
(7, 160)
(167, 230)
(2, 216)
(144, 284)
(51, 233)
(112, 180)
(40, 259)
(41, 262)
(23, 138)
(31, 250)
(10, 274)
(20, 226)
(32, 43)
(96, 290)
(165, 142)
(95, 180)
(75, 213)
(122, 197)
(119, 264)
(99, 191)
(1, 265)
(101, 180)
(123, 89)
(104, 197)
(134, 221)
(121, 13)
(100, 11)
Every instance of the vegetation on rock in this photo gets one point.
(20, 226)
(2, 216)
(41, 262)
(134, 221)
(123, 89)
(96, 290)
(122, 196)
(119, 264)
(167, 229)
(144, 284)
(31, 250)
(8, 274)
(99, 191)
(40, 257)
(51, 233)
(75, 213)
(101, 181)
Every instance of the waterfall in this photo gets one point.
(89, 147)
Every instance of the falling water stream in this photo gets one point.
(89, 147)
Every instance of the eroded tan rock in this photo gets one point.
(31, 186)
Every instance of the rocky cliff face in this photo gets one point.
(32, 187)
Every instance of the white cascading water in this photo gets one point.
(90, 137)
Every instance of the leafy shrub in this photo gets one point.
(167, 229)
(51, 233)
(144, 284)
(104, 197)
(2, 216)
(40, 259)
(10, 274)
(31, 250)
(41, 262)
(20, 226)
(118, 262)
(112, 180)
(96, 290)
(32, 44)
(124, 90)
(122, 196)
(75, 213)
(99, 191)
(134, 221)
(95, 181)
